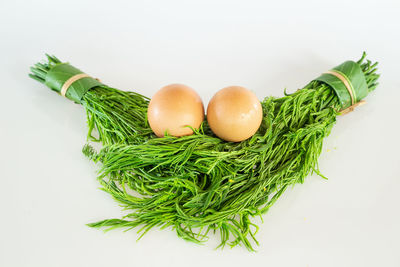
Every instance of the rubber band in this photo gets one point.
(70, 81)
(345, 82)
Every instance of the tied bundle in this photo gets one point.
(117, 116)
(200, 184)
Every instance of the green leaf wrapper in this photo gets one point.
(60, 73)
(352, 72)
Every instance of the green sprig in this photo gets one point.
(116, 116)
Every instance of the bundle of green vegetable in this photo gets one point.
(117, 116)
(200, 183)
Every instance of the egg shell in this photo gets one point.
(173, 108)
(234, 113)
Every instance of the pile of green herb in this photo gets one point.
(200, 183)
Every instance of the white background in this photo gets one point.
(48, 188)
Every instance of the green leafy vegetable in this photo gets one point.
(199, 183)
(117, 116)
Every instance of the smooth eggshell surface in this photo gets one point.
(234, 113)
(174, 107)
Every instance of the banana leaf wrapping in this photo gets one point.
(116, 115)
(200, 184)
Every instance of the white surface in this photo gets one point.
(48, 188)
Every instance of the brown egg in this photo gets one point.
(173, 108)
(234, 113)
